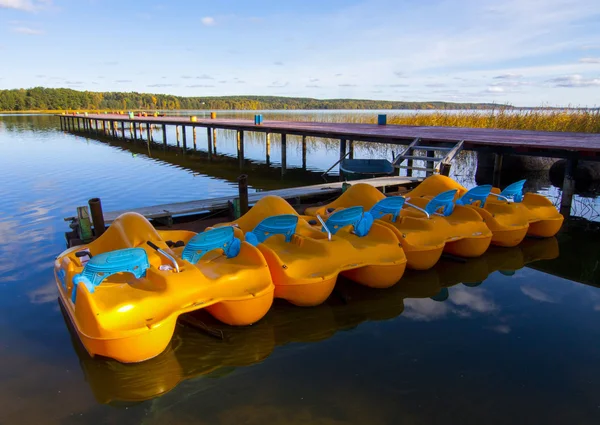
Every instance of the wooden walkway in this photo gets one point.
(558, 144)
(206, 205)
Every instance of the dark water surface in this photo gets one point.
(511, 337)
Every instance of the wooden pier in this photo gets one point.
(571, 146)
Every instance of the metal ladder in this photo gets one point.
(439, 164)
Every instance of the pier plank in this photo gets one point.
(191, 207)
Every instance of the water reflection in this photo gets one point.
(417, 297)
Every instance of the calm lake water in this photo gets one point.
(511, 337)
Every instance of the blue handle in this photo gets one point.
(479, 193)
(444, 200)
(221, 237)
(391, 205)
(101, 266)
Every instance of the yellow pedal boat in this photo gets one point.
(510, 214)
(423, 232)
(305, 262)
(124, 291)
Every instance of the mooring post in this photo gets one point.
(283, 154)
(97, 216)
(568, 187)
(164, 131)
(209, 142)
(497, 170)
(304, 152)
(194, 136)
(268, 147)
(240, 147)
(343, 143)
(351, 149)
(243, 190)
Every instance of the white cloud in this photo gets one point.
(495, 89)
(508, 76)
(574, 80)
(209, 21)
(27, 30)
(24, 5)
(536, 294)
(589, 60)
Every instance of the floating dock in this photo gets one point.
(571, 146)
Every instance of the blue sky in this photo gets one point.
(523, 52)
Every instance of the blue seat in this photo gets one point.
(221, 237)
(101, 266)
(513, 191)
(391, 205)
(479, 193)
(361, 222)
(444, 200)
(284, 224)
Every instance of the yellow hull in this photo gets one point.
(131, 318)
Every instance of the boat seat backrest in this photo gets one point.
(354, 216)
(479, 193)
(391, 205)
(443, 201)
(101, 266)
(219, 238)
(284, 224)
(513, 191)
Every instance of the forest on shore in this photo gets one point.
(59, 99)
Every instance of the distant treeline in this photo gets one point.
(41, 99)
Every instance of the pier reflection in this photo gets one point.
(194, 354)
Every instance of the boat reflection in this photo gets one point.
(193, 353)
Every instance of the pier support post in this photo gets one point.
(194, 136)
(113, 125)
(351, 149)
(164, 131)
(131, 135)
(78, 124)
(209, 142)
(240, 147)
(497, 170)
(177, 134)
(343, 143)
(283, 154)
(268, 148)
(304, 152)
(243, 190)
(429, 163)
(568, 187)
(214, 138)
(184, 139)
(123, 130)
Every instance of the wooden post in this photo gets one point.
(304, 152)
(243, 190)
(184, 139)
(240, 147)
(151, 138)
(351, 149)
(164, 131)
(114, 129)
(78, 124)
(194, 136)
(131, 132)
(445, 169)
(497, 170)
(209, 142)
(568, 187)
(409, 164)
(343, 143)
(123, 130)
(148, 132)
(283, 153)
(214, 141)
(268, 147)
(177, 134)
(429, 163)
